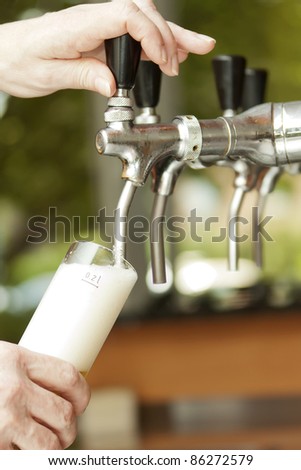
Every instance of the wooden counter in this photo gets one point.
(251, 355)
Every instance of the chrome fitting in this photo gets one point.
(190, 137)
(119, 108)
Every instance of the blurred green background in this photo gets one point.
(45, 143)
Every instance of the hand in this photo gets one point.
(65, 49)
(40, 397)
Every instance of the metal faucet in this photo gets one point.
(165, 173)
(229, 72)
(140, 147)
(239, 87)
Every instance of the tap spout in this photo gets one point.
(235, 207)
(165, 175)
(266, 185)
(246, 177)
(157, 239)
(121, 221)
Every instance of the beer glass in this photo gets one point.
(80, 305)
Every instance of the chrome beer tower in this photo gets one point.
(258, 144)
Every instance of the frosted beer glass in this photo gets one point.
(80, 305)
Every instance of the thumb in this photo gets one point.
(85, 74)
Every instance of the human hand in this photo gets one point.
(40, 397)
(65, 49)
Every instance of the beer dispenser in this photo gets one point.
(258, 144)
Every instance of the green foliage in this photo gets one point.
(266, 32)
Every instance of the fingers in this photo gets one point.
(90, 25)
(172, 64)
(55, 413)
(190, 41)
(140, 19)
(88, 74)
(59, 377)
(31, 417)
(155, 37)
(40, 397)
(84, 73)
(33, 436)
(178, 41)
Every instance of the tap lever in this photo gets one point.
(147, 92)
(148, 84)
(229, 73)
(254, 87)
(123, 55)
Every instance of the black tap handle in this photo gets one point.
(148, 84)
(254, 87)
(123, 55)
(229, 71)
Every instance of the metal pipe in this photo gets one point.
(268, 135)
(121, 221)
(157, 239)
(232, 236)
(246, 176)
(165, 176)
(266, 186)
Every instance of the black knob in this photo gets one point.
(229, 71)
(148, 84)
(254, 87)
(123, 55)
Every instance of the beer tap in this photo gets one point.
(139, 146)
(123, 55)
(229, 72)
(147, 95)
(265, 135)
(268, 135)
(164, 174)
(254, 94)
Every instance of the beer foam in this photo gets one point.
(78, 311)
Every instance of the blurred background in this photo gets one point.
(211, 359)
